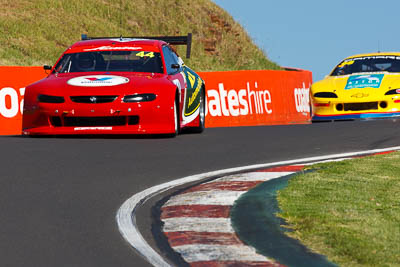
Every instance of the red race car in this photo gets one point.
(117, 86)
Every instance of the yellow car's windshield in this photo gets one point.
(381, 63)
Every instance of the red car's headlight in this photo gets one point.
(139, 98)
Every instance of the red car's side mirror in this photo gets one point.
(47, 68)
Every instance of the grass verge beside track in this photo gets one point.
(37, 32)
(348, 210)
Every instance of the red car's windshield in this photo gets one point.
(109, 61)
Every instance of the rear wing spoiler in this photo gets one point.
(173, 40)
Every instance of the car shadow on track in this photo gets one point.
(96, 136)
(109, 136)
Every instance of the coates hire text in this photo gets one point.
(238, 103)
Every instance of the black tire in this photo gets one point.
(176, 118)
(202, 114)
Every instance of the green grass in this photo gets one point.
(37, 32)
(348, 211)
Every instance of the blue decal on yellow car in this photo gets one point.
(364, 81)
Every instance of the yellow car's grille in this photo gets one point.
(360, 106)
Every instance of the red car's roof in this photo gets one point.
(116, 44)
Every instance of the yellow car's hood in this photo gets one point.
(358, 85)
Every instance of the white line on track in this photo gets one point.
(253, 176)
(194, 224)
(220, 253)
(126, 215)
(226, 198)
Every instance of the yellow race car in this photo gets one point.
(361, 86)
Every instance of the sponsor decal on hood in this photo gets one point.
(97, 80)
(363, 81)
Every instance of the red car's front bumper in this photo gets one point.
(132, 118)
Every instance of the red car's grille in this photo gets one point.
(360, 106)
(93, 121)
(94, 99)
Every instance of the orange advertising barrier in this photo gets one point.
(250, 98)
(12, 88)
(234, 98)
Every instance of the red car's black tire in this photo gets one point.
(202, 114)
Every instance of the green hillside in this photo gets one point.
(37, 32)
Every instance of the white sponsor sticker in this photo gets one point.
(106, 48)
(98, 80)
(92, 128)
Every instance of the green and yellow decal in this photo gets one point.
(194, 85)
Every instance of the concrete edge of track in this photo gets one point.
(126, 214)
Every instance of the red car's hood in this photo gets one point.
(101, 84)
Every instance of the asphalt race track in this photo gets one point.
(59, 196)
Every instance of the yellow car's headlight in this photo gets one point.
(325, 95)
(393, 92)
